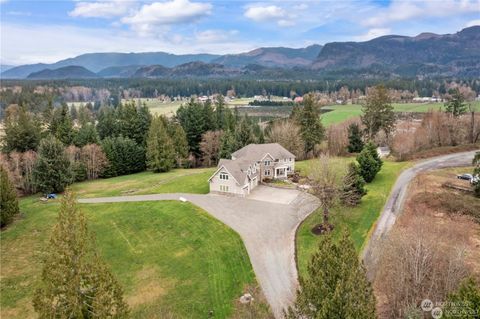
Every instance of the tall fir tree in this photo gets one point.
(378, 112)
(52, 171)
(353, 187)
(227, 144)
(107, 125)
(311, 127)
(244, 133)
(87, 134)
(355, 142)
(180, 143)
(456, 103)
(336, 286)
(75, 281)
(62, 125)
(22, 131)
(8, 199)
(190, 117)
(160, 151)
(124, 156)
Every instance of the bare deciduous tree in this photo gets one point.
(325, 186)
(210, 147)
(287, 133)
(94, 160)
(413, 266)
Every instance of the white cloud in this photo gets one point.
(260, 13)
(373, 33)
(101, 9)
(403, 10)
(473, 23)
(50, 43)
(167, 13)
(212, 36)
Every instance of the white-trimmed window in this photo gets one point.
(267, 163)
(290, 159)
(267, 172)
(223, 188)
(289, 168)
(224, 176)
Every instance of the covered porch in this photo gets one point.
(280, 172)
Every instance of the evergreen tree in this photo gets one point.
(52, 172)
(160, 150)
(209, 123)
(378, 112)
(8, 199)
(336, 286)
(107, 122)
(476, 174)
(355, 142)
(220, 113)
(353, 188)
(191, 117)
(244, 133)
(464, 303)
(62, 125)
(87, 134)
(310, 123)
(227, 144)
(370, 163)
(75, 281)
(180, 143)
(22, 132)
(456, 103)
(133, 122)
(124, 156)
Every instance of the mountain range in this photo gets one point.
(425, 55)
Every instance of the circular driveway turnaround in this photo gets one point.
(266, 221)
(394, 204)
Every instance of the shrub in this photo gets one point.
(369, 161)
(8, 199)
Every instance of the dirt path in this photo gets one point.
(266, 227)
(393, 207)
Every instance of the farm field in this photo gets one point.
(358, 220)
(340, 113)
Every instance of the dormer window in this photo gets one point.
(224, 176)
(267, 163)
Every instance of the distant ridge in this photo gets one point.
(425, 55)
(68, 72)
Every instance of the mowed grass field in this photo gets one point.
(176, 181)
(340, 113)
(172, 259)
(358, 220)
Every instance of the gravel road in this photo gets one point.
(393, 207)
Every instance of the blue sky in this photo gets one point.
(47, 31)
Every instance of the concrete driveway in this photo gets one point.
(266, 221)
(273, 195)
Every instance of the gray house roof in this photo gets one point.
(256, 152)
(238, 168)
(247, 156)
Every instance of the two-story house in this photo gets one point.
(249, 166)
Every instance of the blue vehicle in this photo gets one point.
(51, 196)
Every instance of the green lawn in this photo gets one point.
(359, 220)
(175, 181)
(168, 256)
(340, 113)
(172, 258)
